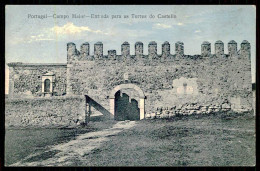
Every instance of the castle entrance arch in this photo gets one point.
(118, 102)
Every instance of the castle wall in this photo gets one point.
(176, 83)
(26, 79)
(44, 112)
(210, 81)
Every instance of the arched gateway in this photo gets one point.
(127, 86)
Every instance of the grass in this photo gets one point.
(223, 139)
(216, 140)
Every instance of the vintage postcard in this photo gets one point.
(130, 85)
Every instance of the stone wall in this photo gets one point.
(44, 112)
(167, 80)
(189, 109)
(25, 80)
(210, 81)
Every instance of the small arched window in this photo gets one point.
(47, 85)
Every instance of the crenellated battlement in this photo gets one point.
(84, 54)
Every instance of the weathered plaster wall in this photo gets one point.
(25, 80)
(44, 112)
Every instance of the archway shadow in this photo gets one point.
(98, 107)
(125, 109)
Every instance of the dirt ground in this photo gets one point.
(215, 140)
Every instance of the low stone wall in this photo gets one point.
(192, 109)
(45, 112)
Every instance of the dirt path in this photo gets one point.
(74, 151)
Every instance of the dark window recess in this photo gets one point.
(47, 85)
(185, 87)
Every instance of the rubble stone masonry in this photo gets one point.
(177, 83)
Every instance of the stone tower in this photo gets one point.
(139, 49)
(232, 48)
(152, 50)
(219, 48)
(205, 49)
(98, 50)
(179, 49)
(166, 49)
(245, 50)
(125, 49)
(72, 54)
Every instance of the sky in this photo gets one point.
(28, 38)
